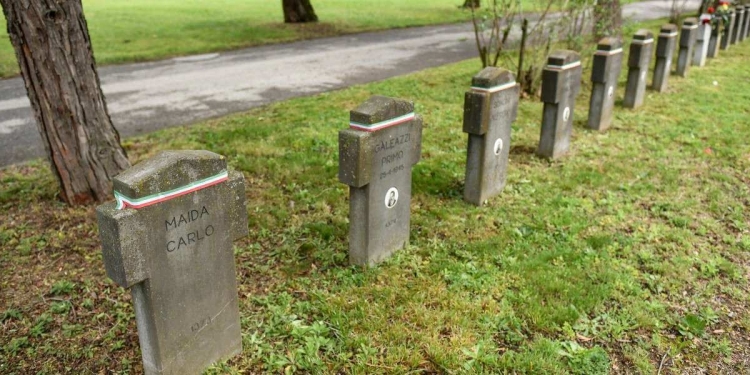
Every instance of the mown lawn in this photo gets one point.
(630, 255)
(140, 30)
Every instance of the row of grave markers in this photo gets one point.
(168, 237)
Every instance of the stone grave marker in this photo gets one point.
(168, 238)
(641, 49)
(604, 77)
(664, 53)
(726, 39)
(739, 23)
(376, 155)
(701, 42)
(746, 27)
(714, 42)
(561, 82)
(490, 108)
(687, 44)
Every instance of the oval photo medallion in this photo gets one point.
(391, 197)
(566, 114)
(498, 146)
(611, 91)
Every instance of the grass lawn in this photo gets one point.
(630, 254)
(140, 30)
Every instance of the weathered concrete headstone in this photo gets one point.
(701, 42)
(739, 24)
(604, 76)
(726, 39)
(490, 108)
(168, 238)
(714, 43)
(561, 82)
(687, 44)
(746, 27)
(664, 53)
(376, 155)
(641, 49)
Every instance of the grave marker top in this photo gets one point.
(642, 39)
(667, 31)
(689, 34)
(559, 76)
(606, 47)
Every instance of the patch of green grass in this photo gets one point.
(630, 253)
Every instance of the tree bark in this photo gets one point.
(471, 4)
(607, 19)
(298, 11)
(53, 48)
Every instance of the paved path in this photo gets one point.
(145, 97)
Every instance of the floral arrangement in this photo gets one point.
(720, 13)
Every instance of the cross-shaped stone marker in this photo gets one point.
(641, 49)
(701, 41)
(376, 155)
(726, 39)
(687, 43)
(490, 108)
(739, 24)
(664, 52)
(604, 76)
(561, 82)
(168, 238)
(714, 42)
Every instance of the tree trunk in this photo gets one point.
(298, 11)
(607, 19)
(471, 4)
(53, 48)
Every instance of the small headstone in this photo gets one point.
(604, 76)
(739, 24)
(168, 238)
(714, 42)
(664, 53)
(490, 108)
(561, 82)
(687, 44)
(701, 41)
(746, 27)
(641, 49)
(726, 39)
(376, 155)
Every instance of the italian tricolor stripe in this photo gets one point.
(124, 202)
(494, 89)
(383, 124)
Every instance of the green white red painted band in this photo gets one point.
(383, 124)
(494, 89)
(645, 41)
(124, 202)
(608, 53)
(564, 67)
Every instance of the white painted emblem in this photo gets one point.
(611, 91)
(566, 114)
(498, 146)
(391, 197)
